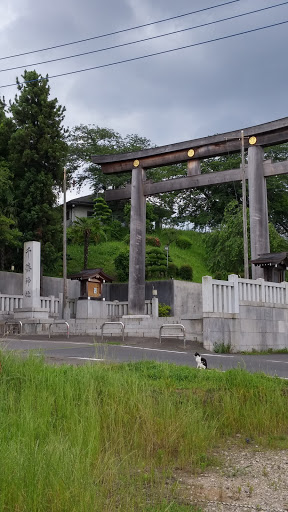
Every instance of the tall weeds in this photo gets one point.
(108, 437)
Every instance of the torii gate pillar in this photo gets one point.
(136, 286)
(259, 230)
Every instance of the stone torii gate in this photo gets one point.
(192, 152)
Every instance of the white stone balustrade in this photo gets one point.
(50, 303)
(8, 303)
(227, 296)
(220, 296)
(118, 309)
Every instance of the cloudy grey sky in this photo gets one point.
(186, 94)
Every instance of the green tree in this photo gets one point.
(37, 155)
(225, 253)
(102, 212)
(84, 231)
(225, 245)
(10, 236)
(204, 207)
(85, 141)
(150, 215)
(170, 235)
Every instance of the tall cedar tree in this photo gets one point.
(38, 151)
(9, 234)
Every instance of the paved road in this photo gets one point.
(85, 349)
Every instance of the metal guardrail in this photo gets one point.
(119, 323)
(59, 323)
(20, 324)
(182, 334)
(13, 322)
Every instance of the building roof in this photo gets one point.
(83, 201)
(271, 259)
(91, 273)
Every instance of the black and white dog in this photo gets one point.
(201, 361)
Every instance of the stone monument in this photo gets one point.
(31, 307)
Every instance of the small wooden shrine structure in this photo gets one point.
(274, 265)
(91, 281)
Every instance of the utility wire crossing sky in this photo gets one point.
(218, 68)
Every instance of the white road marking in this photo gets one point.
(155, 349)
(53, 341)
(272, 361)
(216, 355)
(86, 358)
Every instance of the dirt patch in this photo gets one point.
(248, 479)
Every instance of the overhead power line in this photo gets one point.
(120, 31)
(229, 18)
(151, 54)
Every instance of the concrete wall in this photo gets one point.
(165, 291)
(256, 327)
(187, 299)
(11, 283)
(54, 286)
(115, 291)
(134, 327)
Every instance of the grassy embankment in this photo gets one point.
(103, 255)
(107, 438)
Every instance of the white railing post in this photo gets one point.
(155, 307)
(207, 294)
(52, 304)
(286, 294)
(235, 293)
(262, 289)
(61, 304)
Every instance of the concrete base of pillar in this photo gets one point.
(31, 313)
(136, 317)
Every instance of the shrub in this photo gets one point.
(126, 239)
(156, 263)
(157, 270)
(172, 270)
(164, 310)
(153, 240)
(186, 272)
(116, 230)
(183, 243)
(121, 263)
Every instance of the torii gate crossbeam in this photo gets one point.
(256, 137)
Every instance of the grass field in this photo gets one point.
(109, 437)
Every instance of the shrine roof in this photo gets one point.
(90, 273)
(271, 258)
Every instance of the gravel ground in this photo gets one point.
(248, 479)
